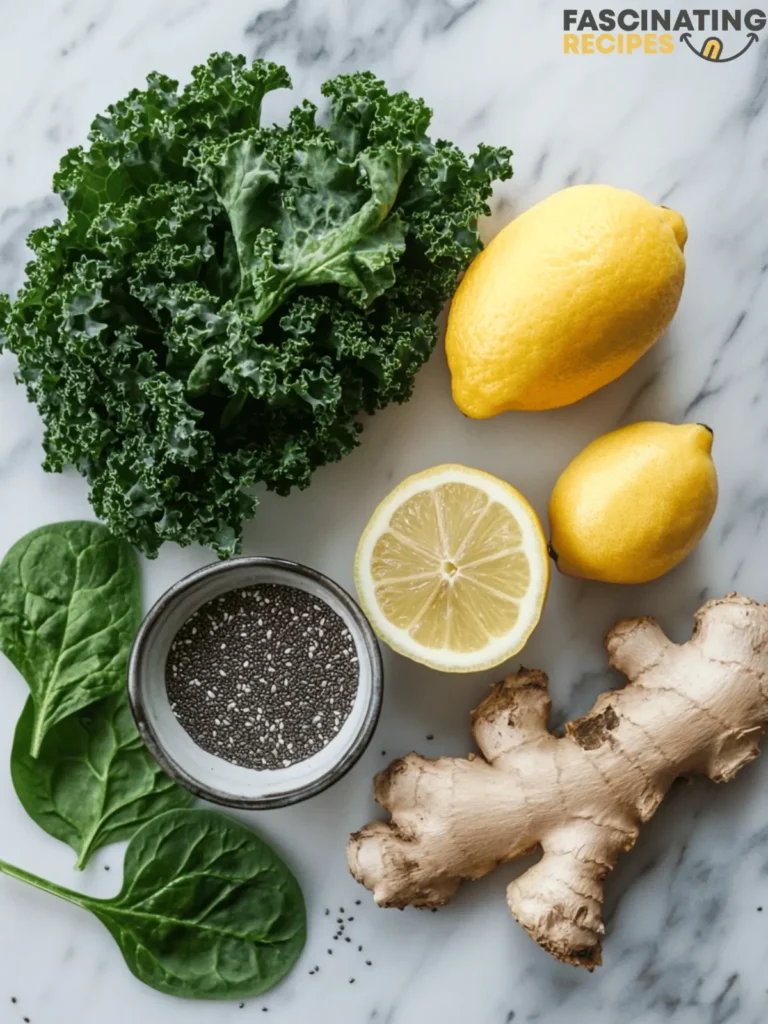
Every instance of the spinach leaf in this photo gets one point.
(207, 910)
(93, 781)
(70, 605)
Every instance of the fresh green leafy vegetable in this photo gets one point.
(70, 605)
(223, 300)
(93, 782)
(207, 910)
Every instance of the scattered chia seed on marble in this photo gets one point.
(234, 690)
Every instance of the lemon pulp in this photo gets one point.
(452, 569)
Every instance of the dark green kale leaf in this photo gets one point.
(224, 300)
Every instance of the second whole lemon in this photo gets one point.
(634, 503)
(564, 300)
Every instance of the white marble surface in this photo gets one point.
(686, 941)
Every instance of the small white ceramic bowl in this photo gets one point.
(211, 777)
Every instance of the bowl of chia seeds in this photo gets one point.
(256, 682)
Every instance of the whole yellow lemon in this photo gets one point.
(634, 503)
(564, 300)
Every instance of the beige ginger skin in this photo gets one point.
(699, 708)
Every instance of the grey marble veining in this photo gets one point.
(687, 941)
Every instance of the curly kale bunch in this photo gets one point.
(223, 300)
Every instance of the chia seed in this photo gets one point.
(228, 686)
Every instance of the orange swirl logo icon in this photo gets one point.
(712, 48)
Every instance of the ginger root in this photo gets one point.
(696, 708)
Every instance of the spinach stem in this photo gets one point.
(42, 883)
(38, 735)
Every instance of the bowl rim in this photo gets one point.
(154, 742)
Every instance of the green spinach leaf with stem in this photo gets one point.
(207, 910)
(93, 781)
(70, 605)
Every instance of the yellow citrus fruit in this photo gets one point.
(634, 503)
(564, 300)
(452, 569)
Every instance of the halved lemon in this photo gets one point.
(452, 569)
